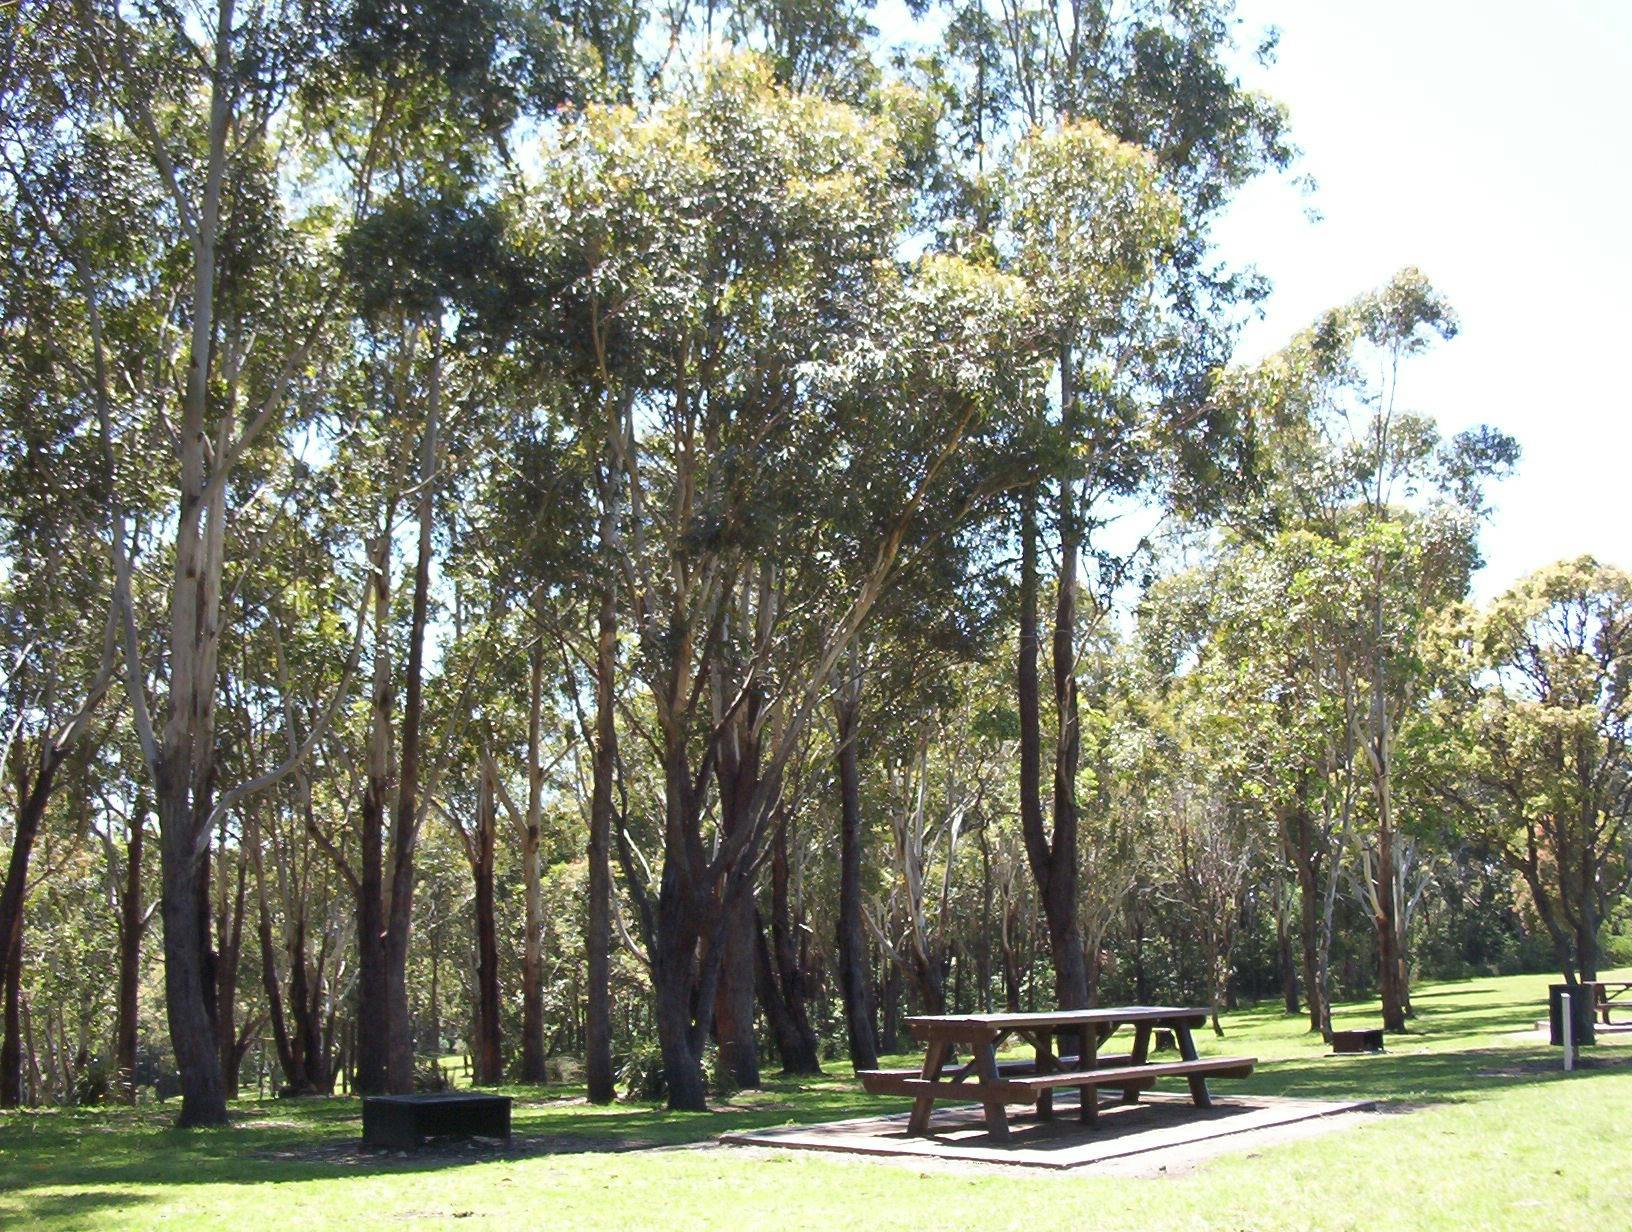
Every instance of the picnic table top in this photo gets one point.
(1058, 1018)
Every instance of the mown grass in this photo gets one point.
(1496, 1137)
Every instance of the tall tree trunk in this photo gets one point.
(855, 979)
(187, 992)
(737, 773)
(11, 1040)
(889, 1009)
(598, 940)
(1060, 895)
(230, 928)
(674, 980)
(734, 1000)
(1053, 861)
(489, 1042)
(533, 1062)
(1389, 959)
(1305, 862)
(371, 1043)
(132, 923)
(684, 975)
(1283, 947)
(32, 793)
(782, 978)
(405, 833)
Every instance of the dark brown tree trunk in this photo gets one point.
(188, 988)
(1389, 959)
(272, 987)
(889, 1009)
(371, 1044)
(131, 926)
(534, 1068)
(737, 773)
(11, 1039)
(854, 978)
(674, 982)
(682, 987)
(371, 1033)
(598, 939)
(734, 999)
(1289, 969)
(782, 977)
(33, 793)
(1053, 861)
(488, 1046)
(1060, 895)
(230, 928)
(405, 832)
(1306, 862)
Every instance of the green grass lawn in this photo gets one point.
(1491, 1135)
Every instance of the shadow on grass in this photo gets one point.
(73, 1207)
(319, 1142)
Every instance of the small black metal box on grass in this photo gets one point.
(1363, 1039)
(1583, 1011)
(406, 1121)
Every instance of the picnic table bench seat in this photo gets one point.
(1023, 1084)
(994, 1084)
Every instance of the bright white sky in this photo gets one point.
(1487, 142)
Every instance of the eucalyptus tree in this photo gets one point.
(1133, 368)
(737, 280)
(199, 320)
(1087, 220)
(1254, 633)
(1549, 713)
(418, 106)
(55, 632)
(1382, 513)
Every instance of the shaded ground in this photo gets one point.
(1163, 1128)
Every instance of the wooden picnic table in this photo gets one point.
(999, 1084)
(1619, 999)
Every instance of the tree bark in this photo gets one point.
(230, 929)
(132, 923)
(405, 831)
(187, 994)
(598, 939)
(737, 773)
(33, 794)
(371, 1044)
(734, 999)
(686, 954)
(782, 977)
(855, 980)
(11, 1041)
(489, 1042)
(1389, 959)
(1053, 859)
(533, 1066)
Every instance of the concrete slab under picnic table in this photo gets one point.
(1159, 1122)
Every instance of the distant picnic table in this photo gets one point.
(1619, 999)
(998, 1084)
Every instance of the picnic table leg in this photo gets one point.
(1187, 1051)
(1088, 1058)
(997, 1117)
(1046, 1064)
(923, 1105)
(1139, 1056)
